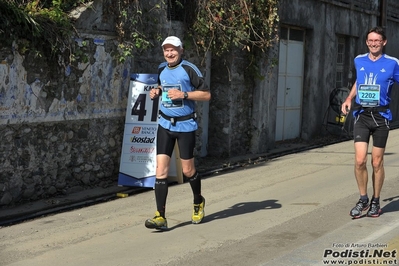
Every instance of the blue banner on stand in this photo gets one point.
(129, 181)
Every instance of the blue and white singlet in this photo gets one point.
(375, 80)
(186, 77)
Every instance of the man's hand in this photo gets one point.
(154, 93)
(346, 106)
(175, 94)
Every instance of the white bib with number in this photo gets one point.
(369, 95)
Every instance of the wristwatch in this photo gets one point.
(185, 95)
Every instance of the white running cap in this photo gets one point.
(173, 40)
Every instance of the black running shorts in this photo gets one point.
(166, 142)
(367, 124)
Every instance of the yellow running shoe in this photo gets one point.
(158, 222)
(198, 212)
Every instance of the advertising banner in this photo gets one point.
(138, 156)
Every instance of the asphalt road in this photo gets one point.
(292, 210)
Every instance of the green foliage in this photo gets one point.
(37, 25)
(214, 25)
(247, 24)
(80, 53)
(137, 25)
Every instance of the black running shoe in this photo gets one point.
(361, 206)
(374, 210)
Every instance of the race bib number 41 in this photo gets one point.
(369, 95)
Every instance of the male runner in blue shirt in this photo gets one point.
(180, 85)
(376, 74)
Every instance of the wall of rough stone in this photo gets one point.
(61, 123)
(232, 86)
(264, 104)
(60, 135)
(40, 160)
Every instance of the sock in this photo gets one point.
(364, 198)
(161, 192)
(195, 183)
(376, 200)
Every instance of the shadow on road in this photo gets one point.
(237, 209)
(392, 206)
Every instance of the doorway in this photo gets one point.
(290, 84)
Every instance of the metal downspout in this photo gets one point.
(383, 14)
(205, 108)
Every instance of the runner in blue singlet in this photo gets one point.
(376, 74)
(180, 85)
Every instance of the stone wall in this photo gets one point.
(40, 160)
(62, 122)
(61, 131)
(232, 86)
